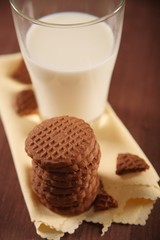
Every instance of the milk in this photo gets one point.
(71, 68)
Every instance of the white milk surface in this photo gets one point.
(71, 67)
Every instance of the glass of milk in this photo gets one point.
(70, 48)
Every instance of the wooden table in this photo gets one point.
(135, 96)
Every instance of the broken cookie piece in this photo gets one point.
(130, 163)
(104, 201)
(25, 102)
(21, 74)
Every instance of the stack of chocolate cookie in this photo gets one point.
(65, 159)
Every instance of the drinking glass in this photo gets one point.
(70, 48)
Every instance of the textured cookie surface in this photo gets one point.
(128, 163)
(61, 142)
(90, 161)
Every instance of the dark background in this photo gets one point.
(134, 95)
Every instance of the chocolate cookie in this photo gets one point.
(61, 142)
(25, 102)
(130, 163)
(21, 74)
(69, 204)
(63, 176)
(103, 200)
(71, 210)
(55, 190)
(64, 182)
(65, 159)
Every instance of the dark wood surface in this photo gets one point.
(135, 96)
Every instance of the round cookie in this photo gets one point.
(65, 204)
(60, 142)
(64, 183)
(44, 187)
(64, 176)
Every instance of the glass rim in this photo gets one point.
(47, 24)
